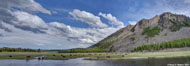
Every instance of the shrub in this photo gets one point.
(178, 25)
(151, 32)
(186, 23)
(132, 38)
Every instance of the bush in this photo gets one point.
(178, 25)
(186, 23)
(151, 32)
(132, 38)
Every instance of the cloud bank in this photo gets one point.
(112, 20)
(20, 27)
(88, 18)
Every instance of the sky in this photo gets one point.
(65, 24)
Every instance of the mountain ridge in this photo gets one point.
(161, 28)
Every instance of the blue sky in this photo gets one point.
(124, 10)
(64, 24)
(116, 7)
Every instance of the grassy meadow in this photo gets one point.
(142, 55)
(51, 55)
(93, 56)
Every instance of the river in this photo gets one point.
(184, 61)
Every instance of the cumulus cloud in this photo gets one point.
(112, 19)
(61, 26)
(132, 22)
(28, 21)
(26, 39)
(56, 34)
(83, 35)
(28, 5)
(21, 28)
(88, 18)
(2, 27)
(17, 13)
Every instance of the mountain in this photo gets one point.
(161, 28)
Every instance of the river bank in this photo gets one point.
(94, 56)
(146, 55)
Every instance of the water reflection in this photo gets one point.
(81, 62)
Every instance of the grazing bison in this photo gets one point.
(107, 56)
(10, 56)
(63, 56)
(28, 56)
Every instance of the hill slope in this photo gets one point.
(161, 28)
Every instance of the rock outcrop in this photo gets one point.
(161, 28)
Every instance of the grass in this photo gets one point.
(94, 56)
(50, 55)
(141, 55)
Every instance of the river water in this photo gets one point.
(182, 61)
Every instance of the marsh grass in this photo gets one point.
(50, 56)
(96, 56)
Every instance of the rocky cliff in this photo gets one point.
(161, 28)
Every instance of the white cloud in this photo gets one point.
(28, 5)
(87, 40)
(62, 27)
(112, 20)
(28, 20)
(17, 13)
(27, 39)
(21, 28)
(57, 35)
(83, 35)
(88, 18)
(132, 22)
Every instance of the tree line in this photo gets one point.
(6, 49)
(82, 50)
(180, 43)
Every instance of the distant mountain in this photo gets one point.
(161, 28)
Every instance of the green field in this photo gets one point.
(94, 56)
(50, 55)
(141, 55)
